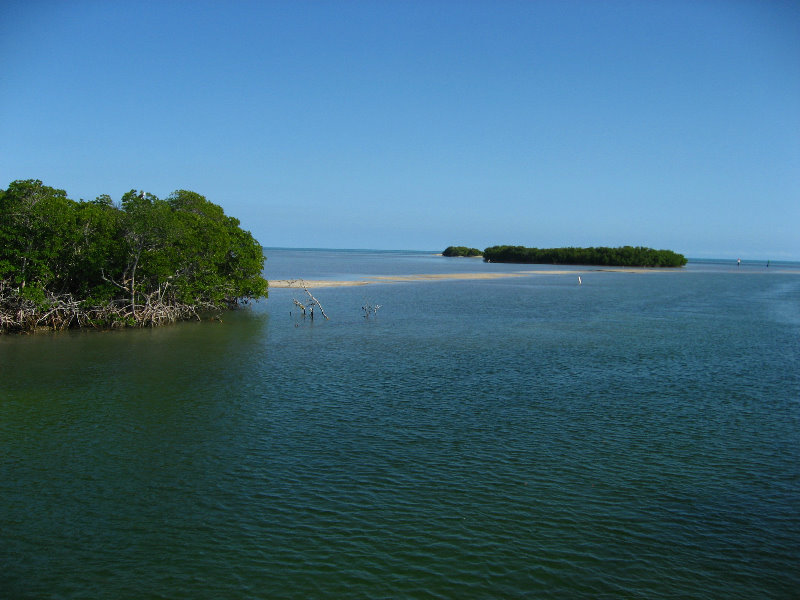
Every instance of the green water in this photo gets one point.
(633, 437)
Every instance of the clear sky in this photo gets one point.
(421, 124)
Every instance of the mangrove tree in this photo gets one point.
(143, 261)
(624, 256)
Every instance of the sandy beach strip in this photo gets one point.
(300, 283)
(311, 283)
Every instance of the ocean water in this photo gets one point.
(637, 436)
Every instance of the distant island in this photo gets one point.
(624, 256)
(461, 251)
(142, 262)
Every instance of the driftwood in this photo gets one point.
(308, 305)
(370, 309)
(311, 303)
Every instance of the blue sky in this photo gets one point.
(421, 124)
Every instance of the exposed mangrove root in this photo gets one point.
(59, 312)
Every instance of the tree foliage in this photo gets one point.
(461, 251)
(144, 261)
(624, 256)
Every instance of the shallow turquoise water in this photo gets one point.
(636, 436)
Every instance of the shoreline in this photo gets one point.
(372, 279)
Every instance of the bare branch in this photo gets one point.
(310, 305)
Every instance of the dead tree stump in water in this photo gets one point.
(312, 302)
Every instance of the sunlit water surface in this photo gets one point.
(636, 436)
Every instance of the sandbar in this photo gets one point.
(317, 283)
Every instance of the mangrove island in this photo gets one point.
(624, 256)
(141, 262)
(461, 251)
